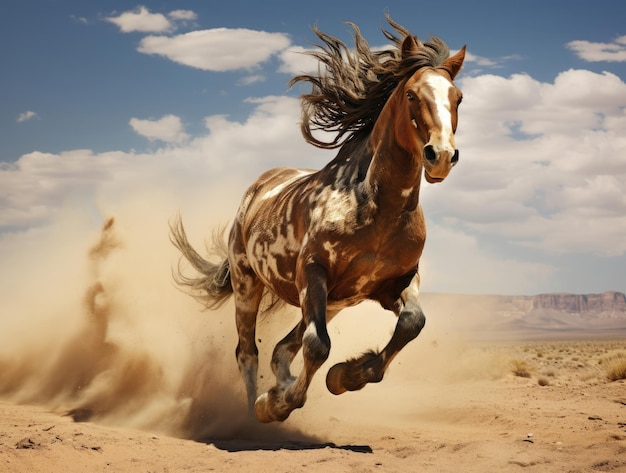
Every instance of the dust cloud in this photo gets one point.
(102, 334)
(93, 326)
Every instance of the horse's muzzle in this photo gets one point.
(437, 164)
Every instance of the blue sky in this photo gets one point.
(129, 109)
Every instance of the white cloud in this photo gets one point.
(296, 60)
(185, 15)
(219, 49)
(29, 115)
(168, 128)
(542, 164)
(542, 169)
(479, 60)
(252, 79)
(141, 20)
(452, 258)
(79, 19)
(39, 185)
(595, 52)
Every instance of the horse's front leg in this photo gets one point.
(370, 367)
(286, 350)
(290, 393)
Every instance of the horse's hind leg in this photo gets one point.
(370, 367)
(247, 352)
(282, 399)
(248, 291)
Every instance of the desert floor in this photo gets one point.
(543, 406)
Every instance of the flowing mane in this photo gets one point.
(349, 93)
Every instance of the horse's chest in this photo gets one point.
(357, 266)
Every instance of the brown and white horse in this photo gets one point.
(354, 230)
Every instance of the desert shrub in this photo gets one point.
(543, 382)
(614, 365)
(520, 368)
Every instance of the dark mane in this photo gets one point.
(351, 87)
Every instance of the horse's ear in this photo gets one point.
(453, 64)
(409, 46)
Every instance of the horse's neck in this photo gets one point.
(394, 175)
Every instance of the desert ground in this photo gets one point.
(106, 367)
(446, 406)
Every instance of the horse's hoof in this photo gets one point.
(261, 410)
(266, 408)
(333, 379)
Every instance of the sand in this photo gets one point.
(477, 419)
(106, 367)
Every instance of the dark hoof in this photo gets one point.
(334, 377)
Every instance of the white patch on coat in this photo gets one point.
(279, 188)
(335, 208)
(330, 248)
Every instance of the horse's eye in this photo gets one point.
(410, 96)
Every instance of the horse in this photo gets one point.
(352, 231)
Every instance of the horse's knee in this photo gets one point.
(316, 344)
(246, 350)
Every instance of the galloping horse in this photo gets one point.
(354, 230)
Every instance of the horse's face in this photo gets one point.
(431, 101)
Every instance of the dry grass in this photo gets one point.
(521, 368)
(614, 365)
(567, 362)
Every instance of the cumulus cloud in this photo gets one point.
(185, 15)
(168, 128)
(479, 60)
(614, 51)
(25, 116)
(296, 60)
(454, 258)
(542, 164)
(218, 49)
(35, 189)
(141, 20)
(542, 169)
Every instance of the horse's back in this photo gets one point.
(266, 188)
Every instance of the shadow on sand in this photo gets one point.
(248, 446)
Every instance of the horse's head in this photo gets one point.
(427, 115)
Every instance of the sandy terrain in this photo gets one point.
(106, 367)
(478, 416)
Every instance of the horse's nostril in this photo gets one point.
(429, 153)
(455, 157)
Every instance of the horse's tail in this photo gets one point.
(213, 287)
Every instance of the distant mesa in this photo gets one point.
(609, 302)
(553, 314)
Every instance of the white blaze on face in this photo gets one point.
(441, 91)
